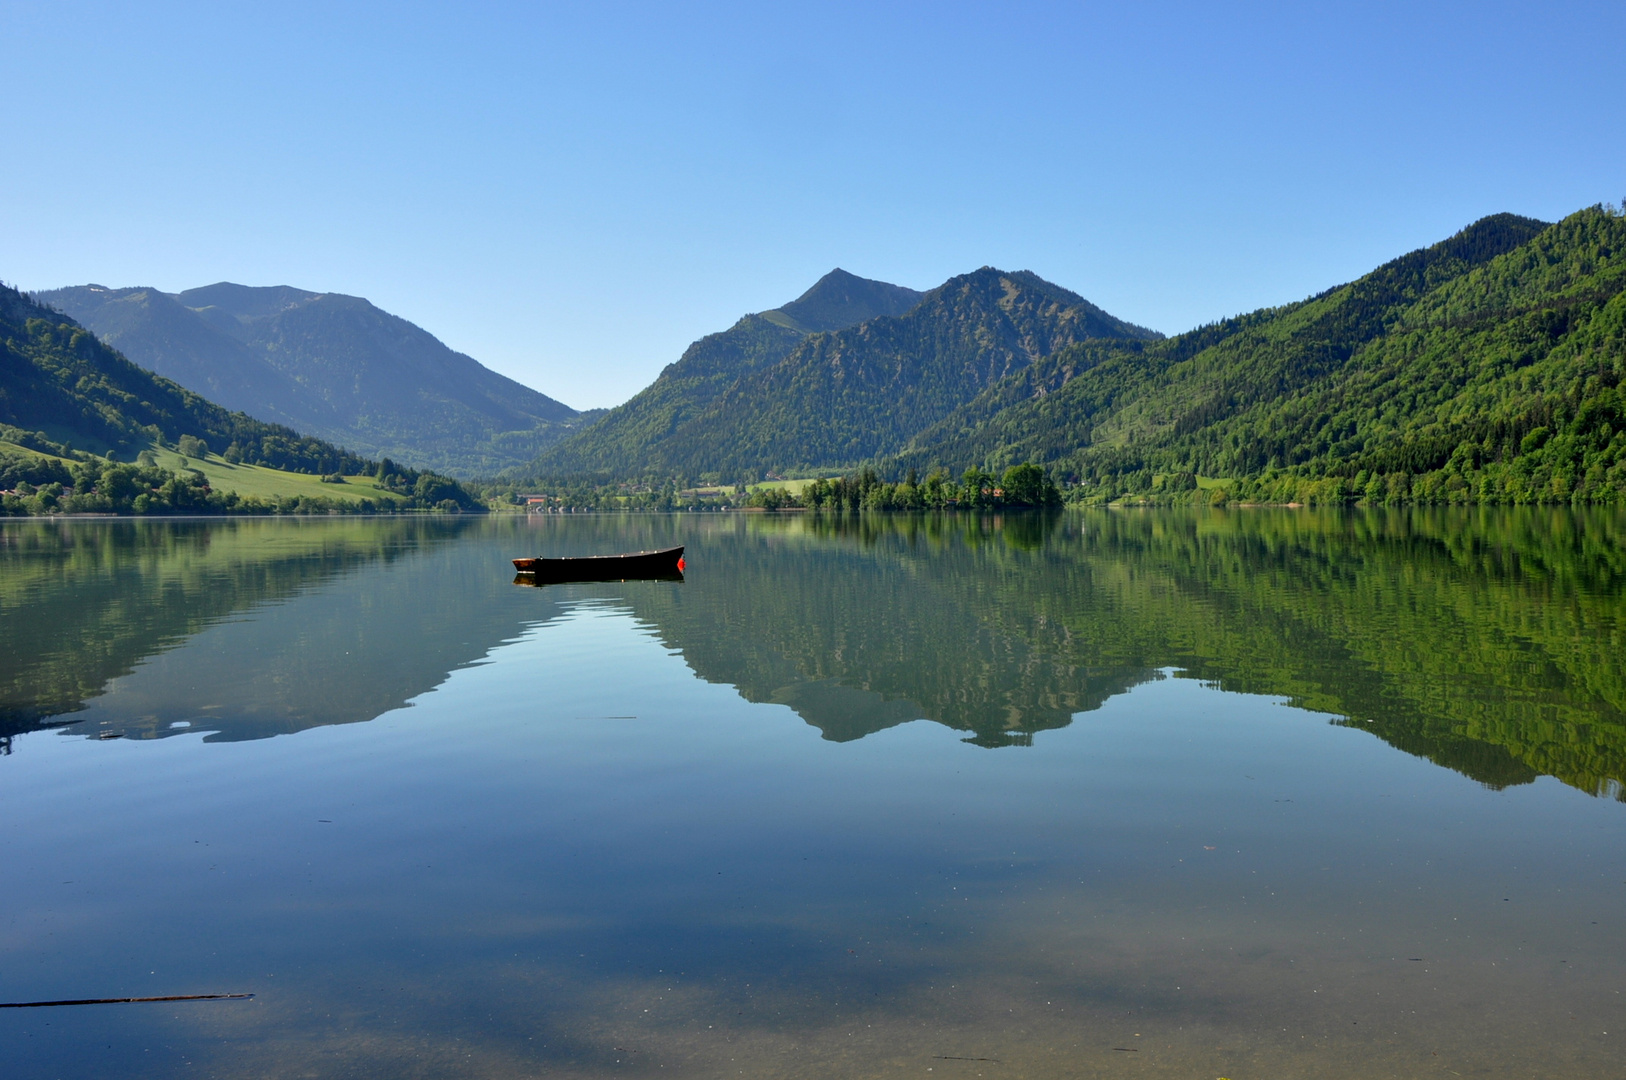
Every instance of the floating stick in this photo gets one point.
(121, 1001)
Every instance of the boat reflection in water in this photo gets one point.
(537, 581)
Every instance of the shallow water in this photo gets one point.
(1175, 794)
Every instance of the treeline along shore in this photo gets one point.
(65, 481)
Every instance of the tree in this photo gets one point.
(431, 489)
(1027, 485)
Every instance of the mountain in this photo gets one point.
(330, 365)
(66, 396)
(839, 300)
(1483, 368)
(769, 395)
(627, 440)
(59, 379)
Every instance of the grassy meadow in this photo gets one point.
(257, 480)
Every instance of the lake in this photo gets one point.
(1245, 793)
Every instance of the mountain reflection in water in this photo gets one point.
(1487, 641)
(247, 627)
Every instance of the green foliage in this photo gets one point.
(33, 484)
(581, 495)
(424, 489)
(96, 486)
(1022, 486)
(1027, 485)
(32, 469)
(1486, 368)
(433, 490)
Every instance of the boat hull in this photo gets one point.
(666, 563)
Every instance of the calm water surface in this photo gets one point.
(1166, 794)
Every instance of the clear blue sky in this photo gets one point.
(572, 193)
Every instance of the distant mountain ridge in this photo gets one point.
(849, 370)
(57, 379)
(74, 413)
(334, 366)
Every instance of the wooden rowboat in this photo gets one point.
(666, 563)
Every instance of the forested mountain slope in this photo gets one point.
(329, 365)
(1484, 368)
(629, 438)
(56, 377)
(74, 413)
(840, 397)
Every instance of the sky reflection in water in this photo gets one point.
(1162, 794)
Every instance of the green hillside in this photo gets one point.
(624, 442)
(332, 365)
(630, 439)
(257, 481)
(74, 414)
(838, 397)
(166, 481)
(1483, 368)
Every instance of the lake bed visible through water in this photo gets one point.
(1255, 793)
